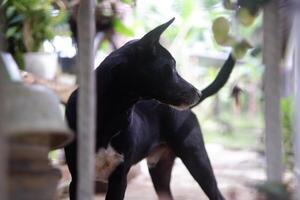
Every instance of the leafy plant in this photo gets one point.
(31, 21)
(252, 6)
(246, 13)
(221, 31)
(29, 24)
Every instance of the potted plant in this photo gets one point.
(29, 24)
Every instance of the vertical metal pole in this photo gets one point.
(86, 106)
(271, 59)
(296, 63)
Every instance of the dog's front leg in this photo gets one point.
(71, 159)
(117, 183)
(188, 145)
(194, 156)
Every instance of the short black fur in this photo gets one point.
(135, 86)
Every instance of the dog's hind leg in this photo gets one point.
(71, 159)
(117, 183)
(161, 175)
(188, 145)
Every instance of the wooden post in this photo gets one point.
(3, 141)
(3, 166)
(86, 105)
(271, 59)
(296, 63)
(2, 28)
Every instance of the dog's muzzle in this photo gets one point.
(199, 95)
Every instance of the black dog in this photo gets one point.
(128, 131)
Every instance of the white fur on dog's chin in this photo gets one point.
(181, 107)
(106, 162)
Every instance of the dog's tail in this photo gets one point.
(220, 80)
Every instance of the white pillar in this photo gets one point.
(86, 104)
(271, 59)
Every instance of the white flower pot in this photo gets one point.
(43, 65)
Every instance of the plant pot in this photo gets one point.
(41, 64)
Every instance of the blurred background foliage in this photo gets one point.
(30, 23)
(233, 117)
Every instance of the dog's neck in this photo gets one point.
(114, 105)
(114, 96)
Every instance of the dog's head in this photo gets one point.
(147, 69)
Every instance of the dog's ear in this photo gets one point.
(152, 37)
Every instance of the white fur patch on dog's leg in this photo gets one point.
(106, 162)
(154, 157)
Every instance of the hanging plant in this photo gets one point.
(221, 32)
(246, 12)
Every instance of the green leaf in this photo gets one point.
(245, 17)
(220, 30)
(16, 19)
(10, 11)
(121, 28)
(3, 2)
(11, 31)
(228, 42)
(240, 49)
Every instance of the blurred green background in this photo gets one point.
(233, 117)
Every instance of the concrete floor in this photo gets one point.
(235, 170)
